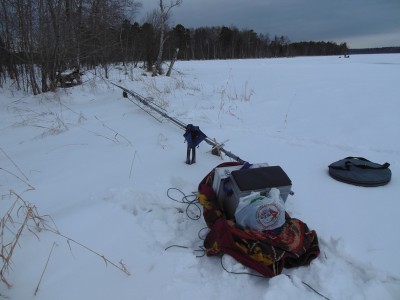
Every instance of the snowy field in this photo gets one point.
(100, 168)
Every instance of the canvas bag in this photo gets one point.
(360, 171)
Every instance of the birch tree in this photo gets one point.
(164, 15)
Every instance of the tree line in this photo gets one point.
(381, 50)
(40, 38)
(232, 43)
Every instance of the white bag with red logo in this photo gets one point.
(261, 212)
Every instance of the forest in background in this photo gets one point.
(39, 39)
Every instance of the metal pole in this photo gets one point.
(180, 124)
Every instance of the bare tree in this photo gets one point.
(42, 37)
(172, 62)
(27, 16)
(164, 15)
(7, 60)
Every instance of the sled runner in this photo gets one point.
(267, 252)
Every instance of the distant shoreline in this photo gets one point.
(375, 50)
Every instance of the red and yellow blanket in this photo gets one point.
(268, 253)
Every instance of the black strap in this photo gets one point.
(349, 163)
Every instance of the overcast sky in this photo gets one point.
(360, 23)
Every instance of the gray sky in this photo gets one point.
(360, 23)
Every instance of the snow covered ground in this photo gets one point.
(101, 168)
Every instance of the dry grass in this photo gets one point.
(22, 217)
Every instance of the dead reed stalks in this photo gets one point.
(22, 217)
